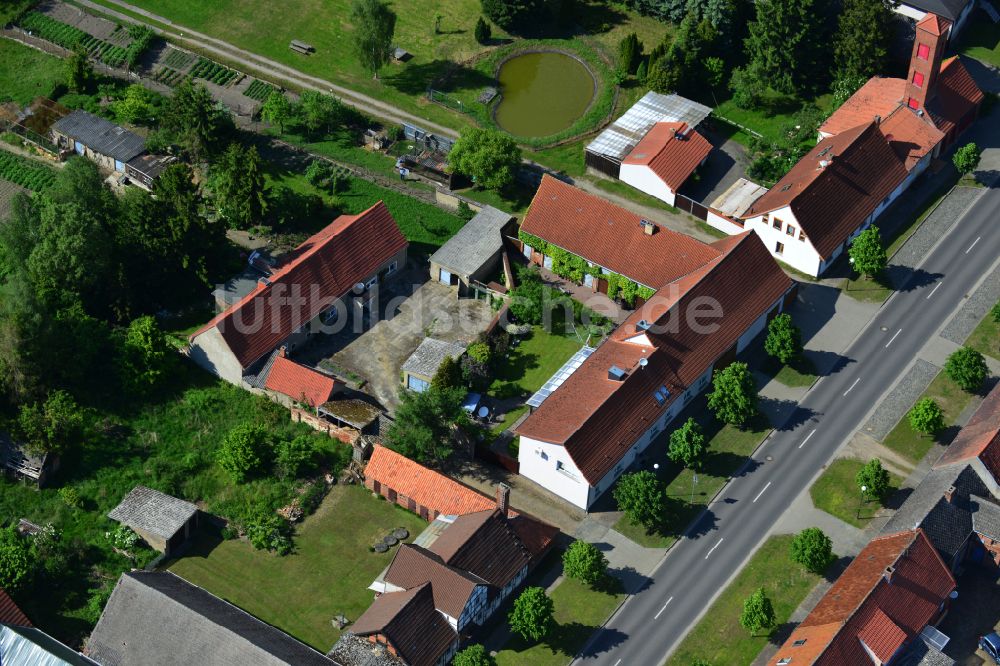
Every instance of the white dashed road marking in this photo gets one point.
(657, 616)
(761, 492)
(807, 438)
(893, 338)
(713, 548)
(852, 385)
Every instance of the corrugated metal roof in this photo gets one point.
(27, 646)
(621, 136)
(100, 135)
(738, 198)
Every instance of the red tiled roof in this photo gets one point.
(299, 382)
(864, 605)
(831, 201)
(911, 136)
(423, 485)
(413, 566)
(410, 623)
(956, 95)
(934, 24)
(322, 269)
(610, 236)
(980, 438)
(10, 613)
(672, 150)
(877, 97)
(597, 419)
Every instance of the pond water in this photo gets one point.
(543, 93)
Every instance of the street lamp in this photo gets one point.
(861, 501)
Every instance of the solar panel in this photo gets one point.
(561, 375)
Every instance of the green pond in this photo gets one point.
(543, 93)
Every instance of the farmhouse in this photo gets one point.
(883, 606)
(159, 618)
(870, 151)
(419, 369)
(164, 522)
(584, 434)
(606, 153)
(332, 274)
(452, 578)
(475, 254)
(565, 224)
(958, 503)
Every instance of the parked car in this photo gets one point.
(990, 644)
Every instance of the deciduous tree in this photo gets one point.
(967, 368)
(136, 105)
(966, 158)
(874, 478)
(784, 339)
(642, 497)
(244, 451)
(687, 445)
(812, 549)
(758, 613)
(52, 426)
(533, 614)
(277, 109)
(488, 156)
(15, 559)
(583, 561)
(374, 25)
(734, 394)
(146, 356)
(926, 417)
(474, 655)
(867, 253)
(319, 113)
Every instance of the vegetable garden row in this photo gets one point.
(24, 172)
(69, 37)
(259, 90)
(213, 71)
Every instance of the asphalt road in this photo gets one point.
(651, 623)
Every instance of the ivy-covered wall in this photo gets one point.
(572, 267)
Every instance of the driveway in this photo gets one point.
(726, 164)
(410, 308)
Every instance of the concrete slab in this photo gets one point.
(627, 561)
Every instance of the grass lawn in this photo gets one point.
(981, 40)
(837, 493)
(795, 374)
(579, 611)
(912, 445)
(718, 638)
(859, 287)
(327, 574)
(728, 448)
(529, 366)
(168, 443)
(16, 60)
(771, 121)
(986, 337)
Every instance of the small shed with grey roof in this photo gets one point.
(100, 140)
(419, 369)
(164, 522)
(21, 463)
(475, 253)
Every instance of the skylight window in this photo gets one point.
(661, 394)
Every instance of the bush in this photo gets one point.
(268, 531)
(243, 451)
(123, 538)
(70, 497)
(295, 458)
(15, 559)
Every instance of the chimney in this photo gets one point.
(949, 495)
(878, 119)
(503, 498)
(929, 44)
(889, 571)
(616, 374)
(283, 352)
(648, 227)
(823, 164)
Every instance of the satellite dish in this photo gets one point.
(359, 287)
(643, 362)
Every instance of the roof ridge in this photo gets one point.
(848, 150)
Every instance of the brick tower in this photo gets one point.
(928, 49)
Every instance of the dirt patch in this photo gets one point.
(864, 447)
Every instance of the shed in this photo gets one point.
(352, 413)
(164, 522)
(419, 369)
(100, 140)
(474, 253)
(17, 460)
(144, 169)
(400, 54)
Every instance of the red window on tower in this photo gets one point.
(923, 51)
(918, 79)
(913, 104)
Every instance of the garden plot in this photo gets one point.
(88, 23)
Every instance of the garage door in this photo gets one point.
(445, 277)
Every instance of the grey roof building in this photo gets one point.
(159, 619)
(99, 136)
(419, 369)
(163, 521)
(474, 251)
(29, 646)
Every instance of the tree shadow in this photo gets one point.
(606, 640)
(702, 526)
(416, 78)
(827, 363)
(625, 579)
(904, 278)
